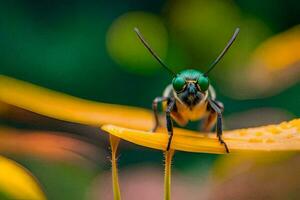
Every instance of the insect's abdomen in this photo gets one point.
(196, 113)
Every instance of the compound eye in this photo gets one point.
(178, 83)
(203, 82)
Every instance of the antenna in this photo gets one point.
(230, 42)
(152, 52)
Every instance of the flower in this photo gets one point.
(132, 124)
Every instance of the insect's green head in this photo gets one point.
(190, 87)
(190, 77)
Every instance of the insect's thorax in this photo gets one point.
(196, 112)
(184, 113)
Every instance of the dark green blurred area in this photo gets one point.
(62, 45)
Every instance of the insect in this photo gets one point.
(190, 97)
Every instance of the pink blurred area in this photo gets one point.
(258, 176)
(251, 177)
(146, 182)
(56, 146)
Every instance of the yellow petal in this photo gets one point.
(64, 107)
(17, 183)
(281, 137)
(272, 67)
(280, 51)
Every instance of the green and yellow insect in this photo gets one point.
(190, 97)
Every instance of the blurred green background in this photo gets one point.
(88, 49)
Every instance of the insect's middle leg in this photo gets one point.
(155, 111)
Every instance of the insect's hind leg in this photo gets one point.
(218, 109)
(210, 121)
(219, 131)
(155, 111)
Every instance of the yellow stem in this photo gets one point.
(168, 162)
(114, 142)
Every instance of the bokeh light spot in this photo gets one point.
(126, 49)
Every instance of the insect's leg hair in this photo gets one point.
(170, 107)
(219, 123)
(155, 111)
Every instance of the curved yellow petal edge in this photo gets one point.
(68, 108)
(282, 137)
(280, 51)
(17, 183)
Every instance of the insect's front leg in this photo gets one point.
(216, 107)
(170, 107)
(155, 111)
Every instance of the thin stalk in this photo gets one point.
(167, 182)
(114, 142)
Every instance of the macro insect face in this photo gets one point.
(191, 87)
(190, 97)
